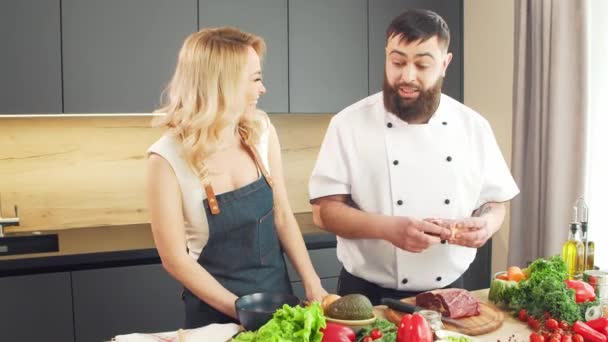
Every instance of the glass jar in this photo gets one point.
(433, 318)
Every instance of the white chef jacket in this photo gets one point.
(446, 168)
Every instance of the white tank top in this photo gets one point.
(195, 218)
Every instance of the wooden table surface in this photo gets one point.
(511, 330)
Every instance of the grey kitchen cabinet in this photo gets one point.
(119, 55)
(30, 62)
(381, 12)
(265, 18)
(36, 308)
(121, 300)
(328, 55)
(327, 266)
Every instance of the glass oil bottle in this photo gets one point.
(588, 246)
(573, 250)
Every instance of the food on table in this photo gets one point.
(334, 332)
(454, 303)
(351, 307)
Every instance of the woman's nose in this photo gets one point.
(262, 90)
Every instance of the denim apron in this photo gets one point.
(243, 252)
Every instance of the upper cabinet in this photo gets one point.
(268, 19)
(381, 12)
(118, 56)
(327, 54)
(30, 62)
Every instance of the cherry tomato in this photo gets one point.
(546, 315)
(546, 334)
(566, 338)
(367, 339)
(551, 324)
(559, 331)
(375, 334)
(564, 325)
(577, 338)
(556, 336)
(554, 339)
(535, 337)
(523, 315)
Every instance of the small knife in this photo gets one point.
(409, 308)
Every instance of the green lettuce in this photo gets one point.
(296, 324)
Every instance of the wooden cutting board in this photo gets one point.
(490, 319)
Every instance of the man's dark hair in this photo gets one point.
(419, 24)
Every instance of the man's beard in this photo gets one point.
(419, 110)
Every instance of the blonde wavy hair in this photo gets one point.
(204, 102)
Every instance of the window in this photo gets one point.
(597, 139)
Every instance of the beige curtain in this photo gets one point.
(549, 123)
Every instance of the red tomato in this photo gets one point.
(523, 315)
(556, 336)
(367, 339)
(546, 315)
(564, 325)
(566, 338)
(554, 339)
(577, 338)
(535, 337)
(375, 334)
(551, 324)
(546, 335)
(559, 331)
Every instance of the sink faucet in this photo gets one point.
(7, 221)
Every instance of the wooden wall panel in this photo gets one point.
(89, 171)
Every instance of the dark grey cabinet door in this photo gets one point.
(382, 12)
(114, 301)
(328, 59)
(265, 18)
(30, 62)
(36, 308)
(119, 55)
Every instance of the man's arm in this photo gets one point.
(339, 215)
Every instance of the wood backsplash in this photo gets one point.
(68, 171)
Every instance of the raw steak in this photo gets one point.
(452, 303)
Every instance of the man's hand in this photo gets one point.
(413, 235)
(468, 232)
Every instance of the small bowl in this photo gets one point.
(356, 325)
(444, 335)
(254, 310)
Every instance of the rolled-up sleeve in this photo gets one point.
(331, 175)
(498, 184)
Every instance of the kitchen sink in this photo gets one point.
(26, 243)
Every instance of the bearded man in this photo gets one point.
(411, 181)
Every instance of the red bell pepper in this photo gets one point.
(598, 324)
(587, 332)
(414, 328)
(334, 332)
(583, 291)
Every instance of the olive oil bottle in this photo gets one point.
(588, 245)
(573, 250)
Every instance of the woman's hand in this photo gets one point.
(315, 292)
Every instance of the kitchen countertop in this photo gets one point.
(101, 247)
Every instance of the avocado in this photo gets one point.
(351, 307)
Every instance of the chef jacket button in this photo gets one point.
(438, 278)
(449, 158)
(399, 202)
(389, 125)
(444, 241)
(404, 281)
(395, 162)
(444, 123)
(447, 201)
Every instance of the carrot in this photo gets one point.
(503, 276)
(515, 273)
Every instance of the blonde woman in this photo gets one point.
(215, 182)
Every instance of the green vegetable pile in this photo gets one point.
(388, 329)
(458, 339)
(542, 291)
(289, 324)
